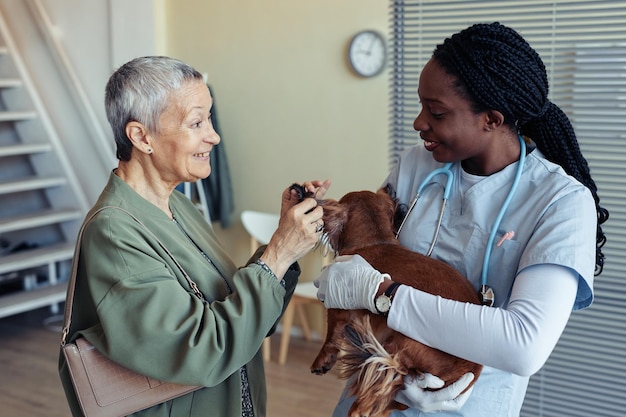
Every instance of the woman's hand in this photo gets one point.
(349, 283)
(318, 188)
(299, 228)
(416, 393)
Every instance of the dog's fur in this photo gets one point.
(375, 357)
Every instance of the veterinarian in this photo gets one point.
(132, 302)
(482, 90)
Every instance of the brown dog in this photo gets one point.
(364, 223)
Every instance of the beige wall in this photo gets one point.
(289, 108)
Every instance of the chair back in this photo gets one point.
(260, 226)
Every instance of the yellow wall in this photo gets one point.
(289, 108)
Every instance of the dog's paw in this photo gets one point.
(319, 371)
(323, 364)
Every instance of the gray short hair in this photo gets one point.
(139, 91)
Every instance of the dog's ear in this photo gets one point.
(301, 191)
(389, 190)
(335, 217)
(400, 210)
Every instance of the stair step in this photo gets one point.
(33, 183)
(42, 218)
(25, 149)
(22, 301)
(23, 114)
(10, 82)
(31, 258)
(16, 116)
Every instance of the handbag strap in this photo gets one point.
(71, 286)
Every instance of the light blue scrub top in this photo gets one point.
(549, 214)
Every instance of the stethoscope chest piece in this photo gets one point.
(487, 296)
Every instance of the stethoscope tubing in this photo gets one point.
(446, 170)
(505, 206)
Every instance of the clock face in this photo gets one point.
(367, 53)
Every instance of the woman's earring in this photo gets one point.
(149, 150)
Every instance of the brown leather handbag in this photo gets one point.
(103, 387)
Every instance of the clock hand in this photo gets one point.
(369, 50)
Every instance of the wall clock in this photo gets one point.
(367, 53)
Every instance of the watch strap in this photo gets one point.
(391, 290)
(386, 295)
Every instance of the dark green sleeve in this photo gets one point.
(150, 323)
(290, 281)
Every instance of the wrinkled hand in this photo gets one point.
(350, 283)
(450, 398)
(318, 188)
(299, 228)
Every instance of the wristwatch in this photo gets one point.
(383, 301)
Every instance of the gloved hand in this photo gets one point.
(415, 395)
(350, 283)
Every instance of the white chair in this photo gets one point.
(261, 226)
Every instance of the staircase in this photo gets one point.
(41, 202)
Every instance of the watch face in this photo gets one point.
(367, 53)
(383, 303)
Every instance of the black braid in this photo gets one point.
(497, 69)
(566, 152)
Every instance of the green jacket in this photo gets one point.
(135, 306)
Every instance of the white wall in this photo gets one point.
(289, 107)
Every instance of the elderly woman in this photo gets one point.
(132, 301)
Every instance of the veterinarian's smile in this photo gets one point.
(430, 146)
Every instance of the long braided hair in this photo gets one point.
(495, 68)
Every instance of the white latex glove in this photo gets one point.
(416, 396)
(350, 283)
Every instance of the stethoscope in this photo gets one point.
(486, 292)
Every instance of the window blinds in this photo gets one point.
(583, 45)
